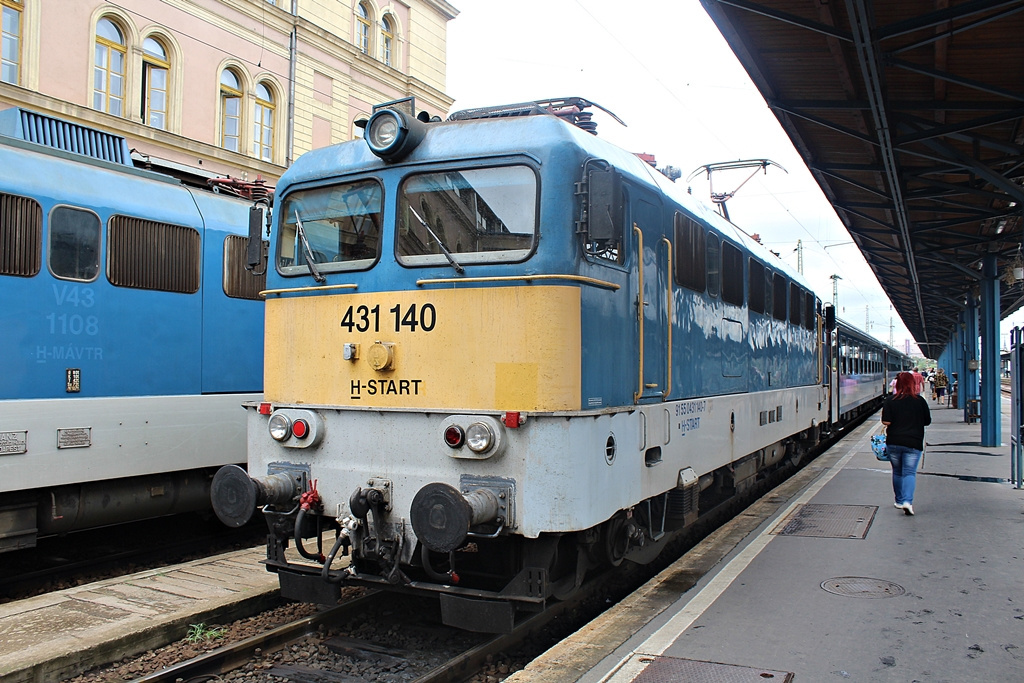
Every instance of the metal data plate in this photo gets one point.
(828, 521)
(673, 670)
(13, 443)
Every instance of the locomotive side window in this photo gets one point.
(151, 255)
(240, 283)
(796, 301)
(21, 235)
(714, 260)
(74, 244)
(732, 274)
(604, 211)
(779, 297)
(690, 261)
(756, 300)
(483, 215)
(338, 225)
(810, 321)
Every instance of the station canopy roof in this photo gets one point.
(909, 115)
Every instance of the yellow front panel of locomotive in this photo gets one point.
(500, 348)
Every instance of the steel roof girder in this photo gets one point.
(941, 16)
(894, 30)
(950, 78)
(788, 18)
(853, 183)
(959, 129)
(1016, 192)
(871, 72)
(778, 105)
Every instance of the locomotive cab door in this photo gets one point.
(653, 302)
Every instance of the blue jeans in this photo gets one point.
(904, 471)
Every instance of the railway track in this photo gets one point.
(396, 637)
(341, 651)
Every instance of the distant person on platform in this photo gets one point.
(905, 415)
(918, 381)
(941, 383)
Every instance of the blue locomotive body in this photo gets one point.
(501, 351)
(132, 333)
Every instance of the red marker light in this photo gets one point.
(300, 429)
(512, 419)
(454, 436)
(266, 409)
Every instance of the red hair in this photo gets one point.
(906, 385)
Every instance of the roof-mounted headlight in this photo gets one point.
(392, 135)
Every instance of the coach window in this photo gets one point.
(108, 71)
(779, 297)
(796, 301)
(483, 215)
(341, 224)
(810, 321)
(155, 67)
(756, 300)
(21, 235)
(74, 244)
(732, 274)
(10, 41)
(690, 261)
(230, 111)
(714, 264)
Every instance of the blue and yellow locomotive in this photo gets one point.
(132, 332)
(501, 351)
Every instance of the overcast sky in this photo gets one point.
(665, 70)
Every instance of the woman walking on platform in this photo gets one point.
(905, 414)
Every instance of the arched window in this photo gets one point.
(10, 41)
(155, 67)
(230, 110)
(363, 23)
(108, 73)
(387, 39)
(263, 124)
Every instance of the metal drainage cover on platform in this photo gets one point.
(828, 521)
(673, 670)
(862, 587)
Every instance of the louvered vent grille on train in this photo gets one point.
(64, 135)
(21, 235)
(240, 283)
(150, 255)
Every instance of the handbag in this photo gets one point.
(878, 446)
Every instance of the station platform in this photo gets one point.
(824, 580)
(60, 635)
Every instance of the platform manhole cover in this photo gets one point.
(828, 521)
(673, 670)
(861, 587)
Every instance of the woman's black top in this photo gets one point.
(908, 416)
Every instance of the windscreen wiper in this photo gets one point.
(447, 254)
(313, 270)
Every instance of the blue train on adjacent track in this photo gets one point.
(501, 351)
(132, 332)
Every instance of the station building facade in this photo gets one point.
(222, 88)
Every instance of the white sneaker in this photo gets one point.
(898, 506)
(908, 509)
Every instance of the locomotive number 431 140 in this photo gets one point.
(411, 317)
